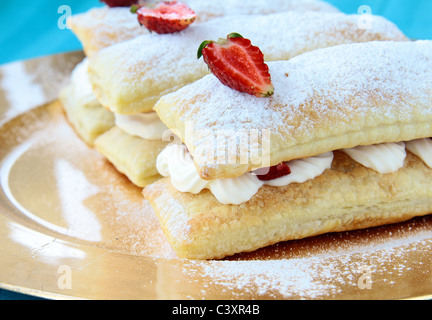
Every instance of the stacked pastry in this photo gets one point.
(353, 122)
(137, 129)
(105, 26)
(144, 69)
(350, 117)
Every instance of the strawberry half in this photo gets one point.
(238, 64)
(119, 3)
(166, 17)
(281, 170)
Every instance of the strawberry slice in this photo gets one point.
(165, 17)
(119, 3)
(238, 64)
(266, 174)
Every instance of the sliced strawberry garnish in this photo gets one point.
(166, 16)
(238, 64)
(267, 174)
(120, 3)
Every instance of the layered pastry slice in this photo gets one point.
(352, 123)
(102, 27)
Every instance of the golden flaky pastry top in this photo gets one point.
(131, 76)
(328, 99)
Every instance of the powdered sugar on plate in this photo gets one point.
(14, 78)
(393, 260)
(366, 265)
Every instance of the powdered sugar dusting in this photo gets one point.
(341, 270)
(207, 10)
(13, 78)
(151, 66)
(345, 73)
(102, 27)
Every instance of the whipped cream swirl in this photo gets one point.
(177, 163)
(144, 125)
(422, 148)
(384, 158)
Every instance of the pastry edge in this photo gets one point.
(87, 128)
(138, 164)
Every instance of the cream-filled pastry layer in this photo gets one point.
(346, 197)
(174, 161)
(144, 125)
(177, 163)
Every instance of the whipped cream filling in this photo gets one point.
(144, 125)
(175, 162)
(384, 158)
(81, 82)
(422, 148)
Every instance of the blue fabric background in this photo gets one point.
(31, 29)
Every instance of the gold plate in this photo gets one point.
(72, 227)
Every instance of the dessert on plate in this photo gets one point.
(296, 122)
(345, 137)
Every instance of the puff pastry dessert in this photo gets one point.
(84, 112)
(133, 141)
(119, 154)
(144, 69)
(102, 27)
(353, 122)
